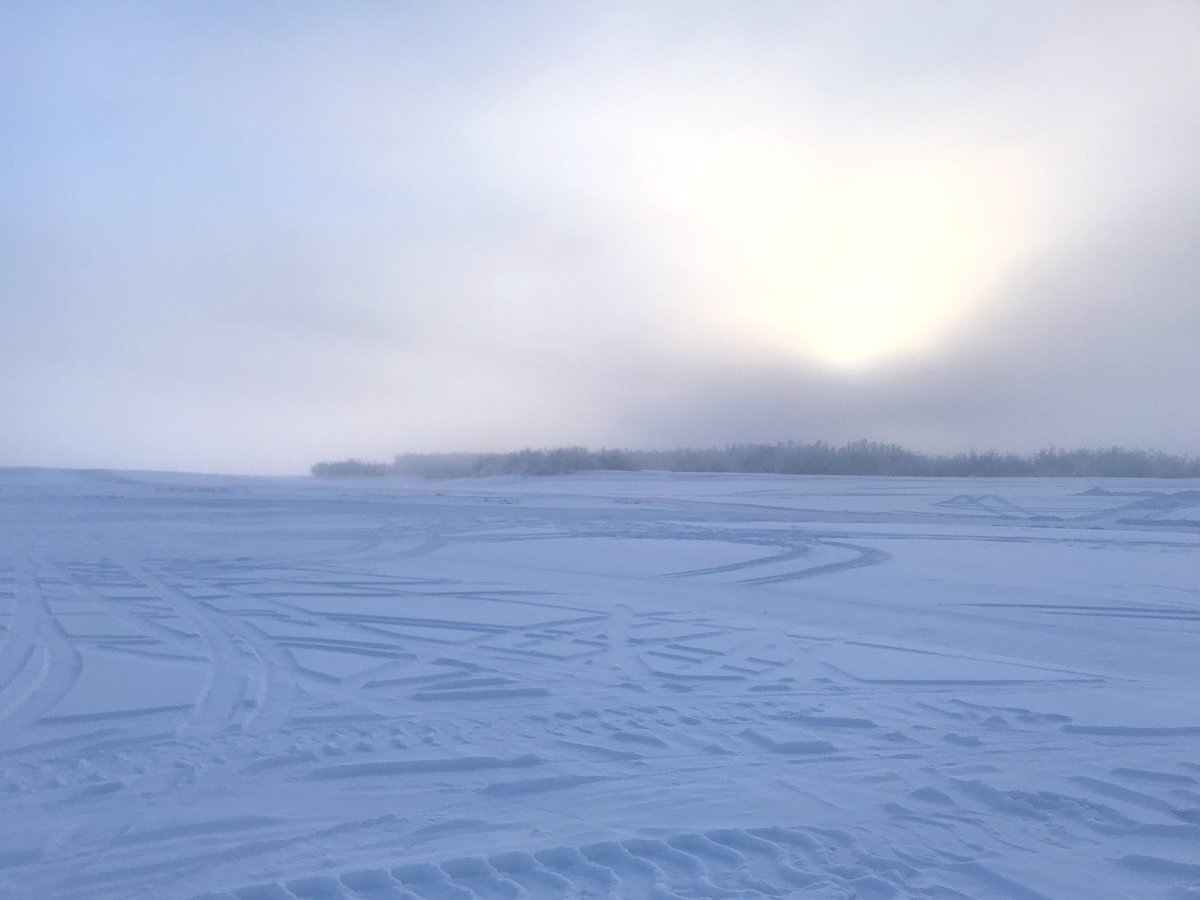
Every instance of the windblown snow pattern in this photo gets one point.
(605, 685)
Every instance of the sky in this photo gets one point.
(245, 237)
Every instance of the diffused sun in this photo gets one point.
(787, 234)
(883, 266)
(856, 261)
(829, 250)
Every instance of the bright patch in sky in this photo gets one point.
(855, 262)
(783, 234)
(239, 240)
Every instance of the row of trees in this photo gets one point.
(785, 458)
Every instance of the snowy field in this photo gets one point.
(607, 685)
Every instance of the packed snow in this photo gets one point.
(605, 685)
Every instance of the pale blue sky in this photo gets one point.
(248, 236)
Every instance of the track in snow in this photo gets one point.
(603, 686)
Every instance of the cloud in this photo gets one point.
(1093, 347)
(248, 241)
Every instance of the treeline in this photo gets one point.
(350, 468)
(790, 458)
(556, 461)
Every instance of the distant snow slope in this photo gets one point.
(612, 685)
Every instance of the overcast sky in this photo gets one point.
(249, 236)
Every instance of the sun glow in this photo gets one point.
(777, 231)
(893, 264)
(850, 261)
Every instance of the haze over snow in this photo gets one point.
(248, 238)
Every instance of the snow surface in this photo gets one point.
(605, 685)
